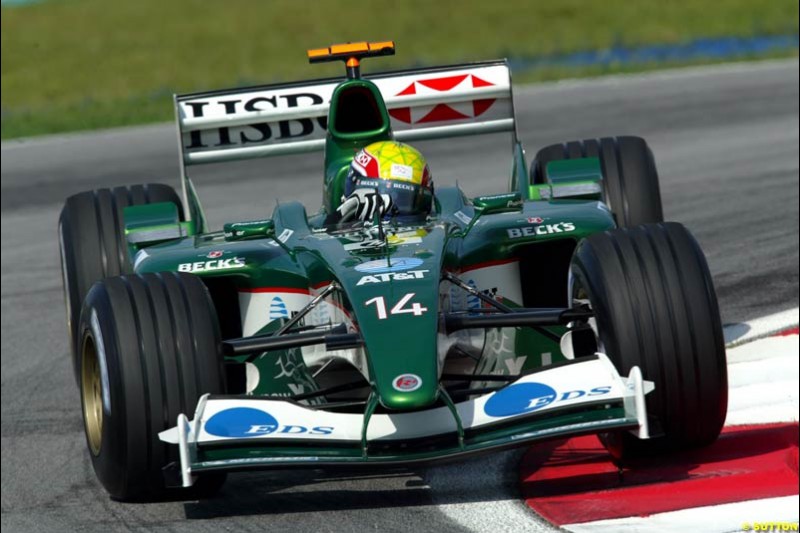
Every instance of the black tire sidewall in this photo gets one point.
(161, 340)
(655, 308)
(108, 464)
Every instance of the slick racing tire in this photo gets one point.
(655, 308)
(92, 241)
(630, 179)
(149, 349)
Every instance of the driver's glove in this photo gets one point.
(362, 204)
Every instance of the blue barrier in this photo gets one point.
(706, 48)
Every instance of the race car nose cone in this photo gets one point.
(402, 400)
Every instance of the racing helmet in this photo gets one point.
(397, 170)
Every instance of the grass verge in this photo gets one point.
(83, 64)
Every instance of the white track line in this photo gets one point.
(763, 381)
(737, 334)
(488, 487)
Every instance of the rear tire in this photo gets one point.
(655, 307)
(149, 350)
(630, 178)
(92, 241)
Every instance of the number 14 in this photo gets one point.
(380, 303)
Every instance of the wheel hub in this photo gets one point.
(92, 396)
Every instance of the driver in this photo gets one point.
(387, 178)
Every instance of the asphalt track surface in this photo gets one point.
(725, 140)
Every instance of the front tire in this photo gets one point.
(655, 307)
(149, 350)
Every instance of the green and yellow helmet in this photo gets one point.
(396, 169)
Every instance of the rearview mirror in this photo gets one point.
(498, 203)
(255, 229)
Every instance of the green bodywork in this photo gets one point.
(312, 257)
(459, 235)
(291, 250)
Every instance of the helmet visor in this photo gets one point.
(408, 199)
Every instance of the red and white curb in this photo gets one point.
(738, 334)
(748, 477)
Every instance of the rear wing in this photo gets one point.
(432, 103)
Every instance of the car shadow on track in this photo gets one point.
(288, 492)
(481, 479)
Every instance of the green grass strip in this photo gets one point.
(83, 64)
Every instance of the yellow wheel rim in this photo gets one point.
(92, 396)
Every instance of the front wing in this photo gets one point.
(586, 395)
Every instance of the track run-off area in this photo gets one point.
(725, 139)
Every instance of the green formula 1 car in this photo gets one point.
(561, 306)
